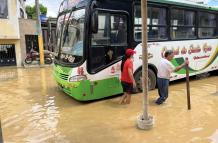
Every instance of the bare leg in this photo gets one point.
(123, 98)
(128, 98)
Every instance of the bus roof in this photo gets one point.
(185, 3)
(68, 4)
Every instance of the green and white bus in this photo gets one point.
(93, 35)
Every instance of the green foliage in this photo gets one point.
(43, 9)
(31, 11)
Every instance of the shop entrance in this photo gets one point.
(7, 55)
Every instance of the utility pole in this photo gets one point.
(1, 136)
(144, 121)
(39, 33)
(188, 87)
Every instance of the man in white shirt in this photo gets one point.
(165, 68)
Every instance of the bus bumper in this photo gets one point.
(90, 90)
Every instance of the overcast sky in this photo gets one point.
(213, 2)
(53, 5)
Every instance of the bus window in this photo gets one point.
(158, 29)
(207, 25)
(118, 30)
(138, 23)
(108, 45)
(156, 21)
(182, 24)
(71, 51)
(60, 25)
(102, 37)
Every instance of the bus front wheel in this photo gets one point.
(151, 80)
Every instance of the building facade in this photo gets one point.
(16, 32)
(10, 50)
(18, 36)
(28, 37)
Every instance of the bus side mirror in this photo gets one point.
(94, 22)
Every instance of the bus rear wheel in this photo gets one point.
(151, 80)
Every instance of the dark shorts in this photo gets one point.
(127, 87)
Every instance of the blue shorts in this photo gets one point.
(127, 87)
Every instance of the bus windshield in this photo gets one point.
(71, 51)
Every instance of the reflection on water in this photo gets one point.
(33, 110)
(214, 137)
(41, 120)
(197, 129)
(8, 74)
(216, 92)
(28, 112)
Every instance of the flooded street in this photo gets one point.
(34, 110)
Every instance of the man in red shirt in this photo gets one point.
(127, 79)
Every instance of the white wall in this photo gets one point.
(10, 27)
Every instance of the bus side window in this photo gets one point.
(156, 23)
(182, 24)
(207, 25)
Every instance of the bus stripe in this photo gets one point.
(179, 61)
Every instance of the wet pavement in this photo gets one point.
(34, 110)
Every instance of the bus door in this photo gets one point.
(107, 47)
(109, 43)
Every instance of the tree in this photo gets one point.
(31, 11)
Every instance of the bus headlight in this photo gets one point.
(77, 78)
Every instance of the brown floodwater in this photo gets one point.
(34, 110)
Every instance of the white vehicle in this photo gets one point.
(93, 35)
